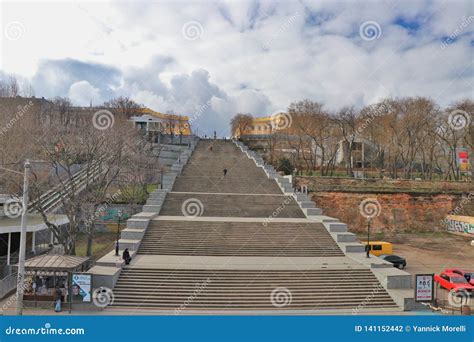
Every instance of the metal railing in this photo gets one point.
(8, 284)
(53, 198)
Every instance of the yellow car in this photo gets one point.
(379, 247)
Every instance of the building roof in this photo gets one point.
(34, 223)
(54, 262)
(262, 119)
(162, 115)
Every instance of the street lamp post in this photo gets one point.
(21, 260)
(161, 179)
(119, 217)
(367, 247)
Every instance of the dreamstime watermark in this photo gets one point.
(21, 111)
(370, 208)
(192, 208)
(198, 113)
(281, 297)
(13, 208)
(287, 201)
(14, 298)
(280, 120)
(14, 30)
(102, 297)
(459, 119)
(199, 288)
(379, 288)
(286, 25)
(46, 330)
(459, 298)
(99, 211)
(192, 30)
(460, 29)
(103, 119)
(374, 113)
(370, 30)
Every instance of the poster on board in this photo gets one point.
(81, 287)
(424, 287)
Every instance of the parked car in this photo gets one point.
(396, 260)
(469, 275)
(453, 281)
(378, 248)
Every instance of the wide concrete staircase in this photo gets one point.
(204, 172)
(248, 290)
(238, 239)
(227, 205)
(246, 246)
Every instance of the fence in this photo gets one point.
(7, 284)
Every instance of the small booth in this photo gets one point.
(45, 273)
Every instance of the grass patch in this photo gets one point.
(103, 243)
(141, 195)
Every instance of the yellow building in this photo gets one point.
(259, 128)
(264, 126)
(152, 121)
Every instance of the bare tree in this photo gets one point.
(9, 87)
(239, 123)
(124, 107)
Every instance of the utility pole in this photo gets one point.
(368, 247)
(21, 261)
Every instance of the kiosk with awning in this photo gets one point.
(44, 273)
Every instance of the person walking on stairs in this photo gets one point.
(225, 172)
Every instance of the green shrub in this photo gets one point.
(285, 166)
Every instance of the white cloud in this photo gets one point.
(252, 56)
(82, 93)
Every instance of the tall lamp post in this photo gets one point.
(21, 258)
(367, 247)
(119, 217)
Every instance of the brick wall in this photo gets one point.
(404, 205)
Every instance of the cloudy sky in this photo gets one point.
(210, 60)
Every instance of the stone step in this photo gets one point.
(132, 234)
(132, 245)
(346, 237)
(153, 201)
(137, 223)
(238, 238)
(302, 197)
(152, 208)
(212, 205)
(312, 211)
(157, 195)
(336, 227)
(306, 204)
(354, 248)
(237, 290)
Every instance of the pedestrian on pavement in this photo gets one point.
(210, 148)
(225, 172)
(58, 296)
(126, 256)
